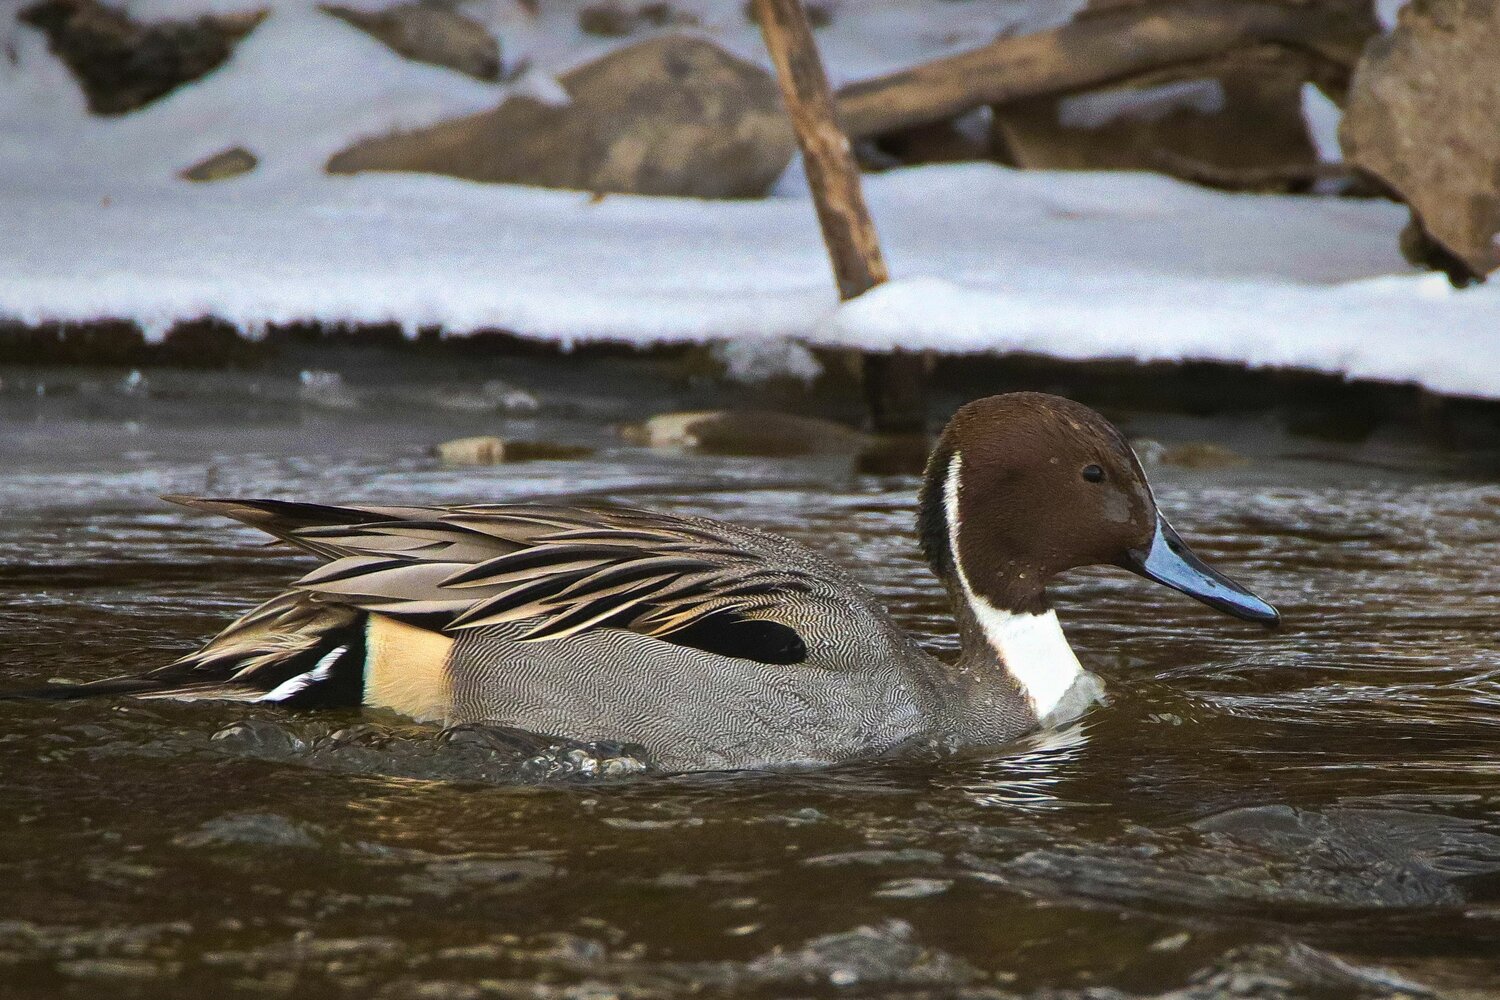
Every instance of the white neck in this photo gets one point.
(1031, 648)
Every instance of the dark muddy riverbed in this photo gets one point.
(1309, 813)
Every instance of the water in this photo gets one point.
(1309, 813)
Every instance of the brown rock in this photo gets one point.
(661, 15)
(484, 450)
(1244, 121)
(607, 20)
(489, 450)
(1202, 455)
(429, 31)
(615, 20)
(1422, 119)
(669, 116)
(745, 432)
(123, 65)
(230, 163)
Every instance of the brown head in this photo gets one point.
(1024, 486)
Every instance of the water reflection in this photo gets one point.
(1031, 775)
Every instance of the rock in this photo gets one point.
(490, 450)
(662, 15)
(1245, 121)
(253, 829)
(429, 31)
(123, 65)
(1237, 120)
(607, 20)
(1202, 455)
(257, 738)
(894, 455)
(229, 163)
(544, 451)
(670, 116)
(745, 432)
(1421, 119)
(1188, 455)
(484, 450)
(934, 142)
(614, 20)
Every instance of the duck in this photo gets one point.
(706, 644)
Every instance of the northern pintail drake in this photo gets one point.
(711, 645)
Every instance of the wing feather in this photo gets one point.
(559, 570)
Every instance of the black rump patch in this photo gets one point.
(343, 683)
(728, 634)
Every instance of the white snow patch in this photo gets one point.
(1322, 118)
(1144, 104)
(1387, 12)
(757, 361)
(1074, 265)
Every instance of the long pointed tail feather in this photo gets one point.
(293, 650)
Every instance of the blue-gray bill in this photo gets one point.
(1169, 561)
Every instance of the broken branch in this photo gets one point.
(1096, 50)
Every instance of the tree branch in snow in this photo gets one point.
(1105, 47)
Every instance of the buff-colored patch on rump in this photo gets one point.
(407, 670)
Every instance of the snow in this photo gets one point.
(1144, 104)
(1322, 118)
(1387, 12)
(1073, 265)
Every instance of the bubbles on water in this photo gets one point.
(884, 954)
(326, 390)
(253, 829)
(259, 738)
(471, 752)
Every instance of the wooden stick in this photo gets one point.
(895, 384)
(1100, 48)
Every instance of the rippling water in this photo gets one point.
(1314, 812)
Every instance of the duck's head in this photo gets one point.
(1024, 486)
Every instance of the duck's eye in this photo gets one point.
(1093, 473)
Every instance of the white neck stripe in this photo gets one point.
(1031, 648)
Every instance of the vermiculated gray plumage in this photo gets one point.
(710, 644)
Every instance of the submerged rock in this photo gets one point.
(490, 450)
(229, 163)
(253, 829)
(449, 876)
(745, 432)
(670, 116)
(429, 31)
(258, 738)
(1421, 119)
(482, 450)
(1188, 455)
(123, 64)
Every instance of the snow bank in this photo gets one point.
(95, 224)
